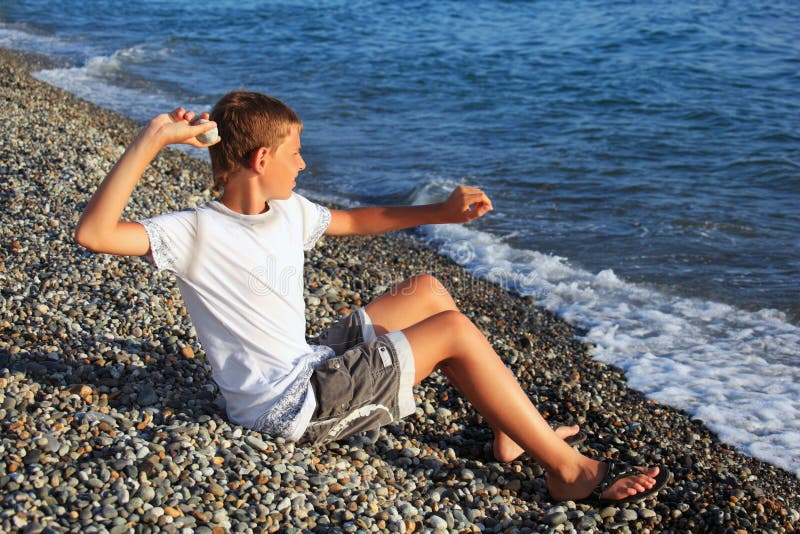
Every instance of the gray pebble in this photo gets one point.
(555, 518)
(256, 443)
(436, 522)
(586, 522)
(608, 511)
(146, 493)
(123, 496)
(646, 513)
(628, 515)
(147, 395)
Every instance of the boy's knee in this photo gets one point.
(430, 285)
(455, 319)
(428, 291)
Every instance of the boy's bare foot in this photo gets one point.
(506, 450)
(593, 474)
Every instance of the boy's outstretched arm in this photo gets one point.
(463, 205)
(99, 228)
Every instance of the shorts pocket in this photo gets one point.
(341, 384)
(332, 387)
(363, 383)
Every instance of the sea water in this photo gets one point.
(643, 159)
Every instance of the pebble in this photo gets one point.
(608, 511)
(153, 514)
(146, 493)
(147, 395)
(645, 513)
(256, 443)
(555, 518)
(628, 515)
(586, 522)
(109, 415)
(51, 444)
(216, 489)
(437, 523)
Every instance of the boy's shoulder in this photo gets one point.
(183, 214)
(295, 206)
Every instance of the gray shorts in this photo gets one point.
(367, 384)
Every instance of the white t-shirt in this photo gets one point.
(241, 277)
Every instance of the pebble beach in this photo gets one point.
(110, 421)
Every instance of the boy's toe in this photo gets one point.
(632, 487)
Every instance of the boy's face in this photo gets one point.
(284, 165)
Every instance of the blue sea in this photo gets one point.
(643, 158)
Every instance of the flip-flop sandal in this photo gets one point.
(576, 439)
(619, 470)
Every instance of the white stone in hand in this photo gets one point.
(209, 136)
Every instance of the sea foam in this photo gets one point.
(25, 37)
(106, 81)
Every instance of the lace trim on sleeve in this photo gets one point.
(278, 420)
(323, 220)
(160, 252)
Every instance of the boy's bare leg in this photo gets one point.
(441, 337)
(504, 448)
(417, 299)
(450, 341)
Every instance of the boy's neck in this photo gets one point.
(241, 197)
(246, 208)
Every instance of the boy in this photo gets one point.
(239, 263)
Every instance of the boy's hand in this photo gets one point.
(176, 128)
(465, 204)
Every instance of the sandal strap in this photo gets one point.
(616, 471)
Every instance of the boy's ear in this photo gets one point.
(259, 159)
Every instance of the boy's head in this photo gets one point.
(247, 121)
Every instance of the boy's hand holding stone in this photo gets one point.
(465, 204)
(177, 127)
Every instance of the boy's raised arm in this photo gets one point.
(99, 228)
(463, 205)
